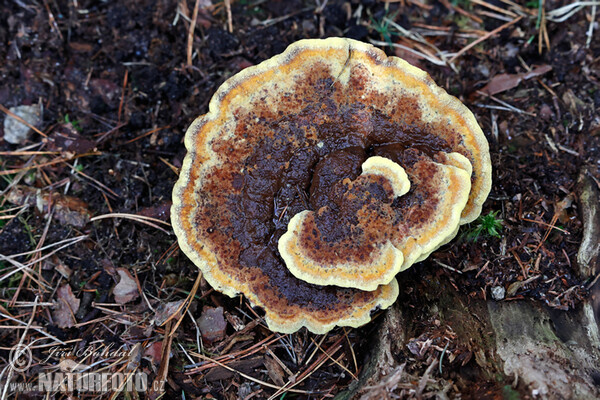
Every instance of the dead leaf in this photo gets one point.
(153, 352)
(276, 373)
(108, 266)
(135, 357)
(513, 288)
(212, 324)
(126, 290)
(503, 82)
(68, 210)
(166, 312)
(66, 307)
(67, 140)
(562, 208)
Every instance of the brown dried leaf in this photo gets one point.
(67, 140)
(153, 352)
(126, 290)
(513, 288)
(108, 267)
(212, 324)
(68, 210)
(562, 208)
(276, 373)
(166, 312)
(503, 82)
(135, 357)
(66, 307)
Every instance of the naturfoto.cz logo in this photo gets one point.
(85, 382)
(20, 358)
(79, 378)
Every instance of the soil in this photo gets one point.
(118, 94)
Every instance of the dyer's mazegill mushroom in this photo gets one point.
(319, 174)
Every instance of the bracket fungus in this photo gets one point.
(319, 174)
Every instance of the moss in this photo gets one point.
(509, 393)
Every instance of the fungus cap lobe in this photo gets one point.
(303, 246)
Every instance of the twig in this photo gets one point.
(35, 329)
(229, 17)
(171, 166)
(485, 37)
(590, 31)
(150, 132)
(335, 361)
(546, 224)
(48, 246)
(123, 91)
(495, 8)
(563, 13)
(516, 256)
(18, 346)
(459, 10)
(190, 41)
(263, 383)
(187, 301)
(26, 267)
(447, 266)
(235, 356)
(52, 20)
(433, 60)
(312, 368)
(501, 17)
(418, 38)
(134, 217)
(351, 350)
(158, 386)
(505, 104)
(100, 185)
(425, 378)
(271, 21)
(543, 33)
(550, 227)
(51, 162)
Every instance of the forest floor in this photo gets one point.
(88, 259)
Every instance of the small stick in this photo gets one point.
(122, 95)
(485, 37)
(459, 10)
(590, 31)
(546, 224)
(150, 132)
(550, 227)
(495, 8)
(187, 303)
(190, 41)
(229, 17)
